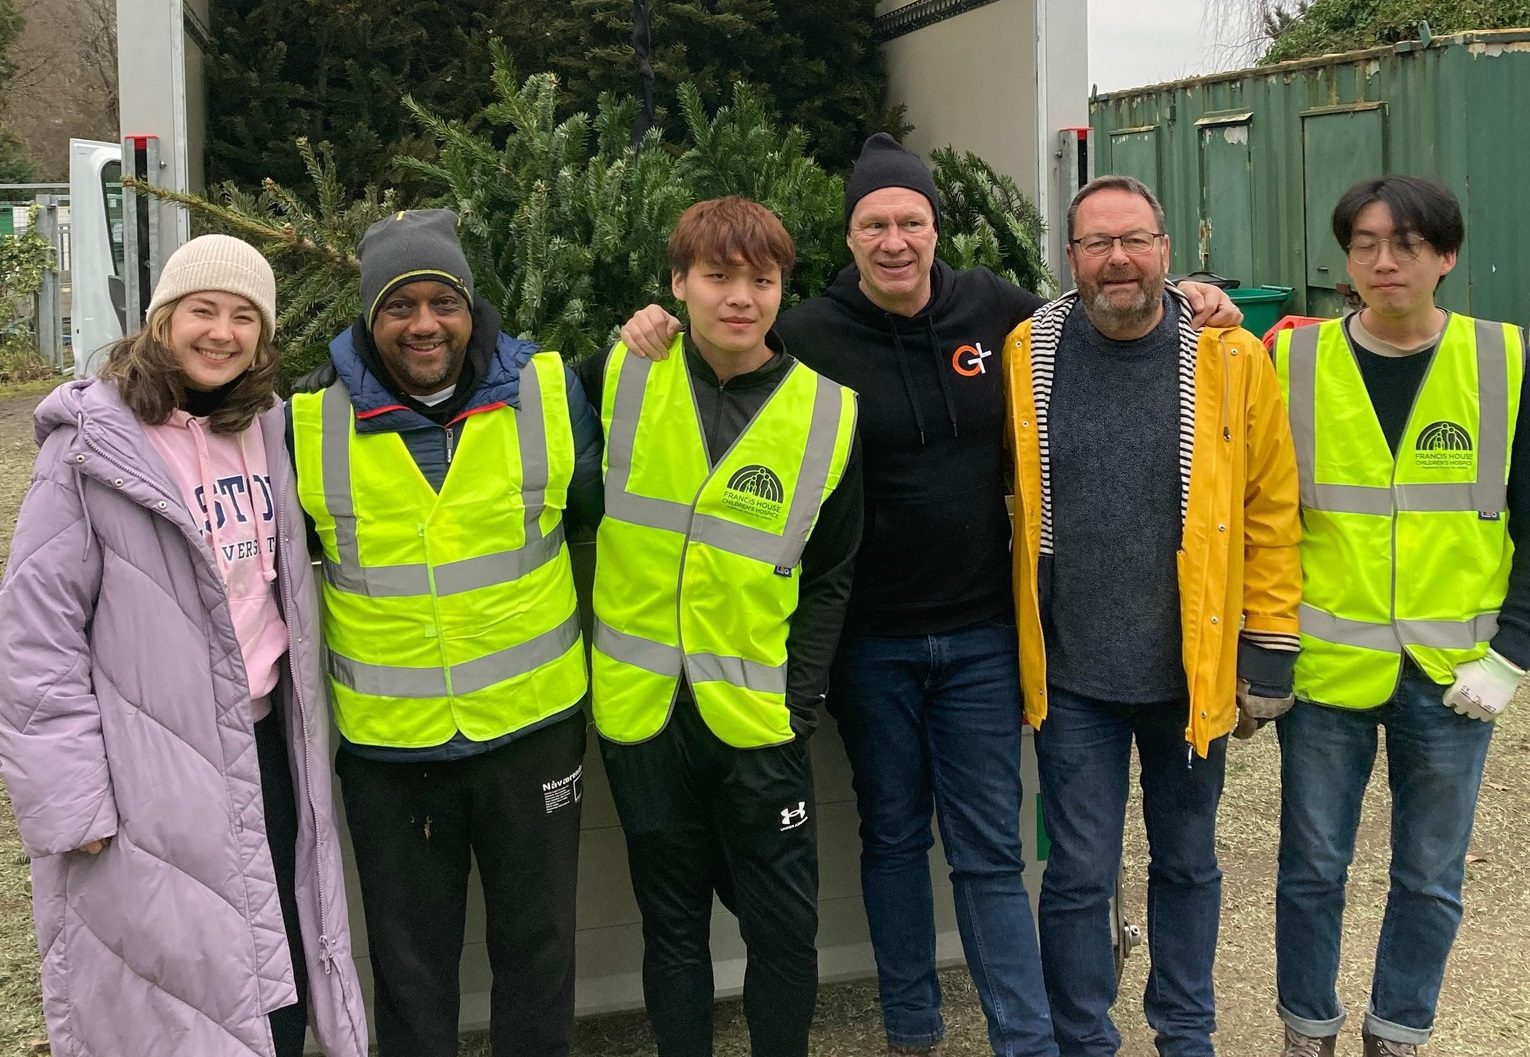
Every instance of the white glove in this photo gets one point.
(1484, 687)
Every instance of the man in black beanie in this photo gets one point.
(436, 459)
(925, 687)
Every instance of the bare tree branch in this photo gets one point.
(68, 82)
(1245, 29)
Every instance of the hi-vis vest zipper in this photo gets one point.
(450, 611)
(697, 566)
(1407, 554)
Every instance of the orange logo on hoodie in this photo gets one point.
(967, 361)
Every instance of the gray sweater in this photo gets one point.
(1110, 592)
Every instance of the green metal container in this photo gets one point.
(1262, 306)
(1249, 164)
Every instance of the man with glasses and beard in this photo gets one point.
(1156, 584)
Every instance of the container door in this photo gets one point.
(1134, 152)
(1227, 202)
(98, 295)
(1337, 150)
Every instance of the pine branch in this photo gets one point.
(246, 223)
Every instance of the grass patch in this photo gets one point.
(35, 387)
(20, 363)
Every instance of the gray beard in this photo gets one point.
(1109, 318)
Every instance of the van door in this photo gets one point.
(98, 311)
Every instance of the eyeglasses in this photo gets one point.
(1405, 248)
(1136, 243)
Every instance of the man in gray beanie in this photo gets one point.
(926, 685)
(436, 459)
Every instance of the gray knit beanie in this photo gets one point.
(219, 262)
(416, 245)
(884, 162)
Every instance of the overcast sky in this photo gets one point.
(1139, 42)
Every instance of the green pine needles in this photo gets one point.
(565, 221)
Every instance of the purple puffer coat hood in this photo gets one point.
(124, 714)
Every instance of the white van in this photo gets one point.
(98, 310)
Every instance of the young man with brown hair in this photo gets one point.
(723, 568)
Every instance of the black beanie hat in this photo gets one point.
(416, 245)
(884, 162)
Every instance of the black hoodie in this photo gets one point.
(935, 552)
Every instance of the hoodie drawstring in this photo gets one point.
(940, 373)
(255, 462)
(908, 381)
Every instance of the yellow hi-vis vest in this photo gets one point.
(1407, 553)
(450, 611)
(697, 566)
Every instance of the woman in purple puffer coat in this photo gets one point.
(163, 726)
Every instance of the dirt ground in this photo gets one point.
(1484, 1010)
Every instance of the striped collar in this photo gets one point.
(1046, 337)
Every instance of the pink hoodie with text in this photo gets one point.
(224, 480)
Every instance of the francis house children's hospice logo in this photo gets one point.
(755, 491)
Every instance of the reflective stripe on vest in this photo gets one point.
(1406, 552)
(684, 581)
(464, 635)
(392, 581)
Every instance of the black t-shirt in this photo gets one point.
(1393, 383)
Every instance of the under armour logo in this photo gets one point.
(792, 817)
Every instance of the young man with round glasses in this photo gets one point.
(1156, 585)
(1415, 615)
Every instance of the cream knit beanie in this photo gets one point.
(219, 262)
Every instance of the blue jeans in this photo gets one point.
(1084, 749)
(933, 722)
(1434, 768)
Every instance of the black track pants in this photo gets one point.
(415, 827)
(701, 818)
